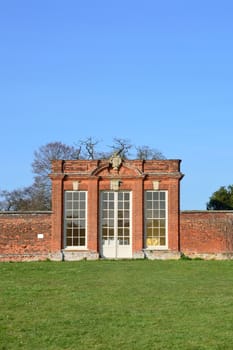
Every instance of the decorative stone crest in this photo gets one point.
(115, 161)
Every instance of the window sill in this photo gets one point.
(155, 248)
(75, 249)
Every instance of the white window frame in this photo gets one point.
(74, 247)
(159, 246)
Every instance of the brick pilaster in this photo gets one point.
(92, 212)
(57, 216)
(137, 213)
(173, 215)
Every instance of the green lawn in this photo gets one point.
(117, 305)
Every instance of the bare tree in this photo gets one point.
(89, 144)
(145, 152)
(31, 198)
(12, 199)
(38, 195)
(41, 167)
(51, 151)
(121, 147)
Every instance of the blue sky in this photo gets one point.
(159, 73)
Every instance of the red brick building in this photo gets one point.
(115, 208)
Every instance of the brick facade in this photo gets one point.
(135, 176)
(207, 234)
(40, 235)
(25, 236)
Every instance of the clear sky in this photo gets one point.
(159, 73)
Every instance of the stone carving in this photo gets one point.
(115, 160)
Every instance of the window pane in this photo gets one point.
(75, 223)
(69, 214)
(162, 223)
(82, 205)
(120, 223)
(120, 231)
(75, 215)
(162, 213)
(120, 214)
(120, 205)
(152, 241)
(75, 205)
(155, 231)
(126, 223)
(148, 196)
(155, 196)
(149, 214)
(69, 205)
(82, 196)
(162, 196)
(104, 214)
(82, 242)
(105, 196)
(82, 233)
(162, 231)
(156, 223)
(120, 196)
(162, 205)
(68, 196)
(105, 205)
(82, 214)
(82, 223)
(149, 223)
(75, 232)
(69, 223)
(111, 232)
(104, 222)
(126, 241)
(155, 218)
(126, 232)
(155, 214)
(104, 232)
(69, 241)
(162, 241)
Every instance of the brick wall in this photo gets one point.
(25, 236)
(206, 233)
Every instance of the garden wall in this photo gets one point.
(206, 234)
(28, 236)
(25, 236)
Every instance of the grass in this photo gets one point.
(116, 305)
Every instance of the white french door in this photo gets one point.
(115, 224)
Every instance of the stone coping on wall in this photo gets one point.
(5, 212)
(205, 211)
(9, 212)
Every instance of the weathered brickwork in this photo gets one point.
(207, 234)
(25, 236)
(40, 235)
(135, 176)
